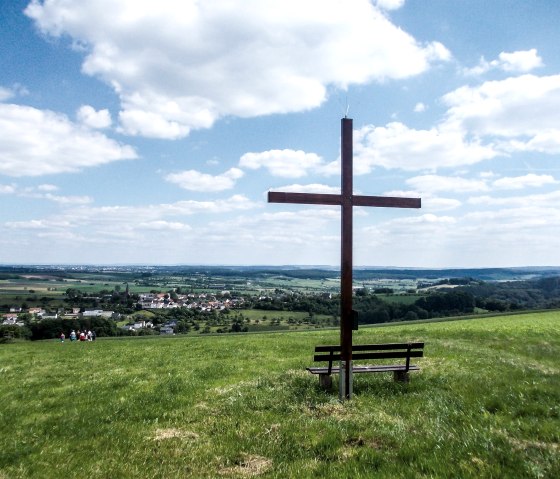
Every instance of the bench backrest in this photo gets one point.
(406, 351)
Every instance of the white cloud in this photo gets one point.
(390, 4)
(68, 200)
(43, 192)
(5, 93)
(7, 189)
(522, 61)
(541, 142)
(496, 118)
(419, 107)
(435, 183)
(43, 224)
(282, 163)
(314, 230)
(520, 106)
(39, 142)
(15, 90)
(430, 202)
(542, 200)
(428, 218)
(164, 225)
(520, 182)
(182, 64)
(47, 187)
(119, 215)
(196, 181)
(135, 228)
(397, 146)
(94, 119)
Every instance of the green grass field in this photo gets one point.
(486, 404)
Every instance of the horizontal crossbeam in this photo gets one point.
(356, 200)
(303, 198)
(386, 201)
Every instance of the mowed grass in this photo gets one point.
(486, 404)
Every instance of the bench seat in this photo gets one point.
(367, 352)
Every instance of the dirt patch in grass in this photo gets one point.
(334, 410)
(174, 433)
(523, 444)
(248, 466)
(520, 444)
(353, 445)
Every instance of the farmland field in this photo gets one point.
(486, 404)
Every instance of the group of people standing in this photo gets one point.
(79, 336)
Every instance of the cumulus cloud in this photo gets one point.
(67, 200)
(196, 181)
(520, 182)
(45, 192)
(39, 142)
(390, 4)
(94, 119)
(433, 203)
(15, 90)
(490, 120)
(522, 106)
(541, 200)
(5, 93)
(282, 163)
(182, 64)
(47, 187)
(127, 225)
(436, 183)
(430, 202)
(398, 146)
(7, 189)
(160, 225)
(419, 107)
(522, 61)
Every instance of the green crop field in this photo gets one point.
(486, 404)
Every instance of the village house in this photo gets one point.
(11, 319)
(99, 313)
(166, 330)
(138, 325)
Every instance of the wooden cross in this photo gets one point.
(347, 200)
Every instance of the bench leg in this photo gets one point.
(325, 381)
(401, 376)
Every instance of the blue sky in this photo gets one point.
(139, 132)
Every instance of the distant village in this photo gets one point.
(148, 301)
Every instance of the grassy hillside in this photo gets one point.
(486, 404)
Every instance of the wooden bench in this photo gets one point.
(362, 352)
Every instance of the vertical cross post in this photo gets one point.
(346, 200)
(346, 263)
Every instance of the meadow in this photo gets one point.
(486, 404)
